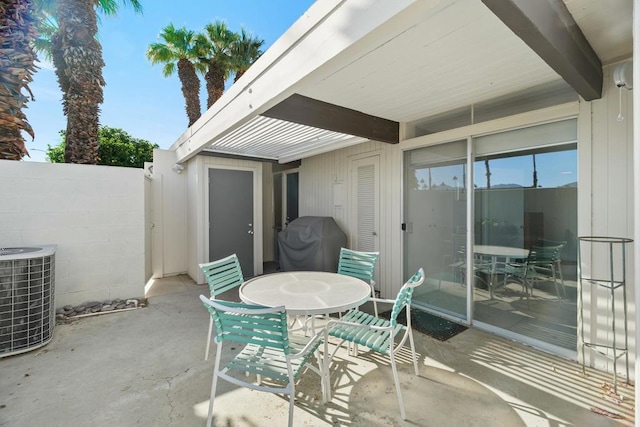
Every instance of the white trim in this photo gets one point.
(545, 115)
(470, 227)
(636, 184)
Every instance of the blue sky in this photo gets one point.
(137, 98)
(554, 169)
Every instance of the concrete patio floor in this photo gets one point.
(146, 367)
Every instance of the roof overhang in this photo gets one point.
(351, 71)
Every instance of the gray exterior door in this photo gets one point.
(231, 216)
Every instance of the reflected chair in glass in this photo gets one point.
(269, 351)
(552, 250)
(378, 334)
(222, 275)
(541, 265)
(361, 265)
(480, 265)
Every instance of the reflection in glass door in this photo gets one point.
(435, 225)
(518, 197)
(525, 227)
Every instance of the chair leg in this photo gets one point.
(206, 354)
(214, 383)
(555, 281)
(413, 352)
(559, 269)
(292, 399)
(373, 295)
(397, 382)
(326, 391)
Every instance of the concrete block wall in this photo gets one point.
(95, 216)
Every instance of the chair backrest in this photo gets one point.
(357, 264)
(405, 294)
(546, 253)
(249, 324)
(223, 274)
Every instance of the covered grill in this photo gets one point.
(311, 243)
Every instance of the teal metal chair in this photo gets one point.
(361, 265)
(222, 275)
(269, 351)
(377, 334)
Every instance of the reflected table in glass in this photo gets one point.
(504, 253)
(306, 293)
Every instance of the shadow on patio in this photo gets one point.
(146, 367)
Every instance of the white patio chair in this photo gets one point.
(222, 275)
(378, 334)
(269, 351)
(361, 265)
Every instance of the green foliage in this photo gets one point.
(117, 148)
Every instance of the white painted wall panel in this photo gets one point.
(169, 236)
(609, 213)
(94, 214)
(318, 175)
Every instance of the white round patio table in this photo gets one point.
(306, 293)
(501, 251)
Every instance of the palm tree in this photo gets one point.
(215, 58)
(77, 57)
(179, 50)
(80, 64)
(244, 52)
(17, 57)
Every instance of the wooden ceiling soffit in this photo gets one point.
(311, 112)
(548, 28)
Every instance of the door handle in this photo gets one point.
(374, 233)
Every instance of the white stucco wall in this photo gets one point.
(169, 216)
(95, 216)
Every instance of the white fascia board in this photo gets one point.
(322, 33)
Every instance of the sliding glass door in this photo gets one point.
(436, 217)
(522, 208)
(525, 231)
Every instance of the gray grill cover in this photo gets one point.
(311, 243)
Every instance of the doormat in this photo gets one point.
(429, 324)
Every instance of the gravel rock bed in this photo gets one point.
(94, 307)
